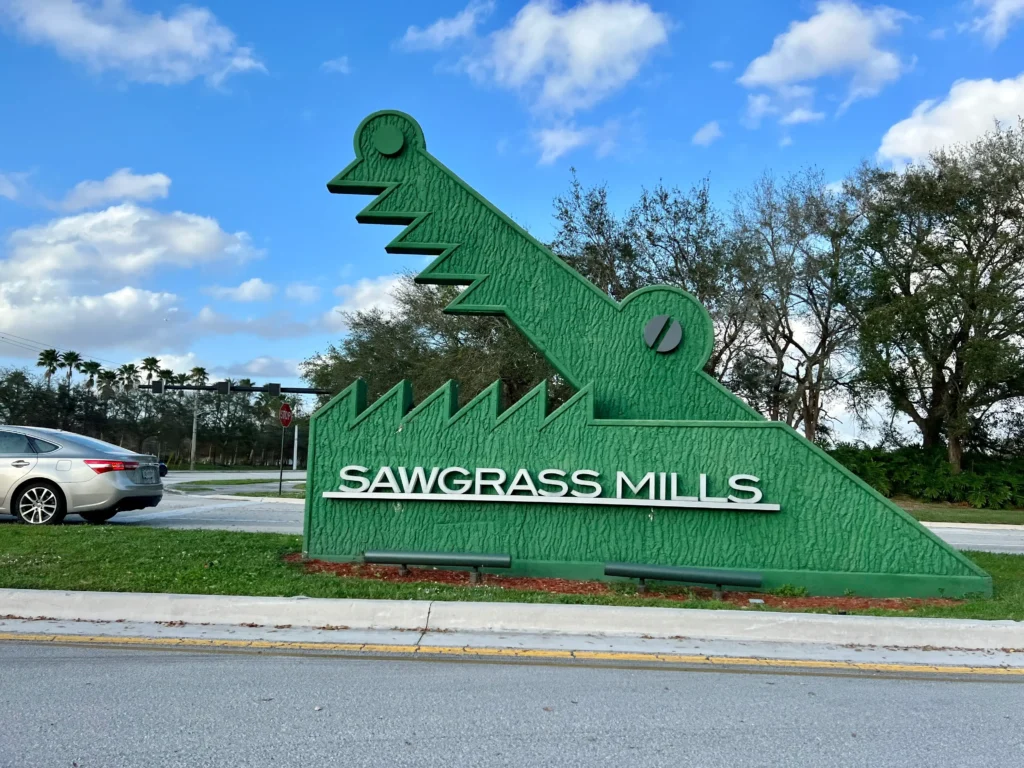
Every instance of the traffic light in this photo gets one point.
(157, 387)
(274, 390)
(222, 387)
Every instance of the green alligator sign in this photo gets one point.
(652, 461)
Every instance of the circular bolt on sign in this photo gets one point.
(663, 331)
(286, 415)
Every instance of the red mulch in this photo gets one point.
(570, 587)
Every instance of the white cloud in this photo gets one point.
(251, 290)
(572, 59)
(999, 16)
(443, 32)
(120, 185)
(707, 134)
(368, 293)
(144, 47)
(840, 39)
(264, 367)
(8, 188)
(302, 293)
(968, 111)
(721, 66)
(279, 325)
(560, 140)
(339, 66)
(121, 240)
(801, 115)
(126, 318)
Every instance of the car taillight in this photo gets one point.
(101, 466)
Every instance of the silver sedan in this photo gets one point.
(46, 474)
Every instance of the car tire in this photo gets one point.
(98, 516)
(40, 503)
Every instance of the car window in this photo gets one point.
(42, 446)
(13, 443)
(96, 445)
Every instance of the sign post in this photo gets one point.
(285, 414)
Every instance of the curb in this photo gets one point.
(526, 618)
(256, 499)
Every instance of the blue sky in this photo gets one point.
(162, 167)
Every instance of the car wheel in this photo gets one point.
(40, 504)
(99, 516)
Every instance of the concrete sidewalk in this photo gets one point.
(516, 629)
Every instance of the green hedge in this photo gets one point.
(984, 484)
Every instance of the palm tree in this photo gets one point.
(151, 367)
(91, 369)
(199, 376)
(128, 375)
(107, 381)
(166, 374)
(49, 361)
(72, 361)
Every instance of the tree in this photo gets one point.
(128, 376)
(107, 380)
(198, 376)
(419, 342)
(72, 361)
(151, 367)
(49, 361)
(91, 369)
(942, 333)
(669, 237)
(798, 241)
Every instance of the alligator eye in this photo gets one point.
(663, 334)
(388, 140)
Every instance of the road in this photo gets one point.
(111, 707)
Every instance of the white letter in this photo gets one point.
(674, 497)
(385, 479)
(464, 484)
(418, 476)
(704, 491)
(577, 477)
(522, 482)
(352, 474)
(622, 479)
(495, 484)
(545, 477)
(736, 485)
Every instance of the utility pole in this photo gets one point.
(195, 418)
(295, 450)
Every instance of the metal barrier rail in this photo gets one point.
(443, 559)
(718, 577)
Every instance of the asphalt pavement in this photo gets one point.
(86, 707)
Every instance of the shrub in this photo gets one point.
(925, 474)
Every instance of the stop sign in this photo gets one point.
(286, 415)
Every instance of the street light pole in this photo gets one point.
(195, 418)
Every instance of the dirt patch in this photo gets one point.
(570, 587)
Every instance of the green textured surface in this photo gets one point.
(637, 411)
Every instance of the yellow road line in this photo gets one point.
(515, 653)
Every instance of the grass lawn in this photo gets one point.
(118, 559)
(945, 512)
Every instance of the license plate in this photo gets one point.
(148, 475)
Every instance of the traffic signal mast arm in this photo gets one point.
(225, 387)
